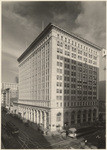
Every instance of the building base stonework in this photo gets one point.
(34, 114)
(54, 120)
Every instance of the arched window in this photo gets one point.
(58, 116)
(94, 114)
(73, 117)
(89, 115)
(66, 118)
(84, 116)
(79, 116)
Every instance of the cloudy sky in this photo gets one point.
(22, 23)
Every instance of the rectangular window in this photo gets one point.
(58, 118)
(79, 52)
(67, 53)
(68, 40)
(79, 57)
(58, 43)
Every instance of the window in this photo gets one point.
(85, 54)
(73, 55)
(85, 59)
(90, 56)
(58, 56)
(79, 57)
(95, 58)
(58, 35)
(67, 53)
(68, 40)
(68, 47)
(90, 61)
(79, 52)
(60, 77)
(65, 46)
(60, 91)
(78, 45)
(58, 43)
(58, 116)
(60, 64)
(73, 49)
(59, 50)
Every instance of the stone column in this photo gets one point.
(40, 116)
(37, 117)
(34, 117)
(45, 120)
(49, 118)
(30, 115)
(22, 113)
(26, 114)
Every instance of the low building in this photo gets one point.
(9, 94)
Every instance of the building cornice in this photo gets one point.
(30, 105)
(45, 31)
(41, 35)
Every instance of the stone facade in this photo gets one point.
(9, 94)
(58, 80)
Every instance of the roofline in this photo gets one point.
(78, 37)
(47, 29)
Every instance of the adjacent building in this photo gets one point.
(9, 94)
(102, 86)
(58, 80)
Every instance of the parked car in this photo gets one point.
(72, 132)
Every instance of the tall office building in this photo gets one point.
(58, 79)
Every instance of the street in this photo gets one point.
(29, 138)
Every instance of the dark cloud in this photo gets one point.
(37, 12)
(92, 22)
(22, 22)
